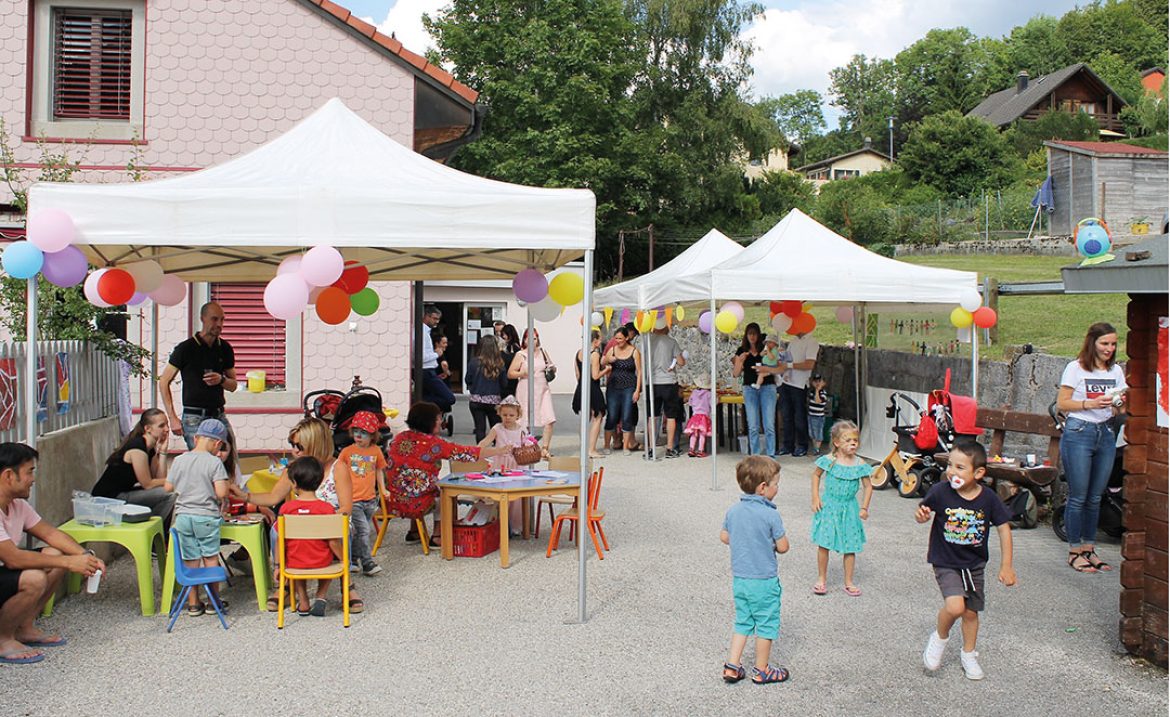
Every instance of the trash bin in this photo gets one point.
(256, 381)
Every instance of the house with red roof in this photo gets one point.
(1123, 184)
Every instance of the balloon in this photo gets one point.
(1092, 237)
(170, 292)
(775, 307)
(321, 266)
(736, 309)
(91, 288)
(984, 317)
(970, 300)
(286, 296)
(649, 320)
(22, 260)
(289, 265)
(353, 279)
(365, 302)
(596, 318)
(530, 285)
(544, 310)
(65, 268)
(116, 287)
(148, 275)
(51, 230)
(680, 313)
(625, 317)
(137, 299)
(791, 309)
(333, 305)
(567, 288)
(608, 315)
(845, 314)
(315, 292)
(726, 321)
(705, 322)
(804, 323)
(781, 322)
(960, 318)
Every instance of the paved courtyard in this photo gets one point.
(465, 637)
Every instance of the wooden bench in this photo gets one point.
(1000, 421)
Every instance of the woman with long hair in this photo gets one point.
(1092, 391)
(623, 390)
(510, 346)
(759, 401)
(486, 380)
(596, 397)
(137, 471)
(543, 414)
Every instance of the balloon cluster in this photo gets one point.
(791, 317)
(971, 311)
(725, 320)
(320, 277)
(547, 299)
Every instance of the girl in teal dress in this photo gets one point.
(837, 519)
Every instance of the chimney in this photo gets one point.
(868, 143)
(1021, 81)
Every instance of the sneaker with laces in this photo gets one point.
(932, 655)
(371, 570)
(971, 666)
(671, 453)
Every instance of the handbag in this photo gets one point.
(528, 452)
(550, 371)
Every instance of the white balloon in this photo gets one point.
(91, 292)
(781, 322)
(321, 266)
(544, 310)
(736, 308)
(148, 275)
(596, 318)
(289, 265)
(971, 300)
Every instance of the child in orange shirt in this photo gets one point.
(306, 474)
(366, 464)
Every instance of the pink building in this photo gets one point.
(172, 86)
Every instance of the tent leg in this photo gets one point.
(586, 418)
(714, 401)
(154, 354)
(416, 350)
(30, 376)
(528, 334)
(651, 427)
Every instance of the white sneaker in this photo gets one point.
(932, 655)
(971, 666)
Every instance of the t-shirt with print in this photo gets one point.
(753, 526)
(14, 522)
(307, 553)
(958, 535)
(363, 465)
(193, 475)
(1092, 384)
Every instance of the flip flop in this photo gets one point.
(306, 612)
(820, 589)
(852, 591)
(318, 608)
(7, 659)
(59, 642)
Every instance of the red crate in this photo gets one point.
(476, 541)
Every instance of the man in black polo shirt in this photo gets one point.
(207, 365)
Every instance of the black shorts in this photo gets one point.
(667, 401)
(9, 583)
(953, 582)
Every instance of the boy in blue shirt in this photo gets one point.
(755, 532)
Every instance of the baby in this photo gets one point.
(771, 357)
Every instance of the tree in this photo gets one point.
(798, 114)
(1028, 136)
(1122, 27)
(945, 70)
(1121, 76)
(1036, 47)
(1147, 117)
(864, 90)
(957, 155)
(854, 210)
(780, 192)
(830, 144)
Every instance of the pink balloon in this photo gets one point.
(705, 322)
(51, 230)
(530, 286)
(845, 314)
(65, 268)
(90, 289)
(736, 308)
(286, 296)
(321, 266)
(289, 265)
(170, 292)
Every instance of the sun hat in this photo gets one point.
(212, 428)
(772, 338)
(365, 421)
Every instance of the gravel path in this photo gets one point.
(465, 637)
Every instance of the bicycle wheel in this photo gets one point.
(883, 477)
(911, 485)
(1058, 521)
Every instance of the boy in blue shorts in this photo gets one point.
(755, 532)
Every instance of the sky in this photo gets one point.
(797, 41)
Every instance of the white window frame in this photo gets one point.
(41, 122)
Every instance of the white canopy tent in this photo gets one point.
(714, 248)
(331, 179)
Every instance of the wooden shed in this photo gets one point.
(1123, 184)
(1141, 272)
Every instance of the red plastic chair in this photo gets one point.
(594, 519)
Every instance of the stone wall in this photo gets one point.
(1043, 246)
(72, 459)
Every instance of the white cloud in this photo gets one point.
(405, 22)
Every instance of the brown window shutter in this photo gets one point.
(91, 64)
(255, 335)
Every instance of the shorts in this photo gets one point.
(668, 402)
(9, 583)
(967, 582)
(757, 607)
(198, 535)
(816, 428)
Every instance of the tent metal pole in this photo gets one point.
(30, 375)
(531, 397)
(416, 349)
(714, 399)
(862, 363)
(856, 365)
(586, 418)
(154, 354)
(652, 427)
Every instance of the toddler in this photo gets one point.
(962, 510)
(818, 406)
(837, 519)
(699, 425)
(771, 357)
(755, 532)
(366, 465)
(201, 483)
(306, 474)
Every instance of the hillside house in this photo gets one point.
(1075, 88)
(857, 163)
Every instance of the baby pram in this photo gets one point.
(338, 409)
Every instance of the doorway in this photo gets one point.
(463, 323)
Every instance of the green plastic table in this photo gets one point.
(251, 537)
(135, 537)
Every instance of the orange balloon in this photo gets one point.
(984, 317)
(803, 323)
(333, 305)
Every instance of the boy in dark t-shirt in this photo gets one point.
(962, 510)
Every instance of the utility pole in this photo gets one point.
(650, 230)
(621, 252)
(890, 126)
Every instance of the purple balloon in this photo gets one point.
(65, 268)
(530, 285)
(137, 299)
(705, 322)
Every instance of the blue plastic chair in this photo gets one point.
(193, 577)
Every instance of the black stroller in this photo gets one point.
(338, 409)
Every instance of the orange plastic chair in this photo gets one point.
(593, 520)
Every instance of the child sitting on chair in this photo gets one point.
(306, 474)
(366, 466)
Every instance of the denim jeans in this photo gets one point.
(760, 406)
(1086, 451)
(619, 405)
(191, 423)
(794, 413)
(362, 531)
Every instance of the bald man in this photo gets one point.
(207, 365)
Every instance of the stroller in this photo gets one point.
(338, 409)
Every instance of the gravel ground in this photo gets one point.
(465, 637)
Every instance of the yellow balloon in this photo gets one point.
(566, 288)
(726, 321)
(680, 313)
(648, 320)
(961, 318)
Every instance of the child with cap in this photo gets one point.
(771, 357)
(200, 481)
(365, 464)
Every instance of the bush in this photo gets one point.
(856, 211)
(958, 155)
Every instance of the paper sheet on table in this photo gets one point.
(507, 478)
(549, 474)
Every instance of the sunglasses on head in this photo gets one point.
(295, 445)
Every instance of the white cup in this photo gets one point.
(1031, 459)
(91, 585)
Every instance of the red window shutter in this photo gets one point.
(91, 64)
(255, 335)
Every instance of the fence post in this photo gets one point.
(993, 302)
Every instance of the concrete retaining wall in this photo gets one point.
(72, 459)
(1042, 246)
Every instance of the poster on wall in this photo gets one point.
(64, 385)
(1161, 385)
(7, 393)
(42, 391)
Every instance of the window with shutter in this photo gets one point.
(257, 338)
(91, 57)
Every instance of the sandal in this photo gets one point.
(852, 591)
(356, 605)
(820, 589)
(769, 675)
(733, 673)
(318, 608)
(196, 610)
(1084, 566)
(1096, 562)
(304, 611)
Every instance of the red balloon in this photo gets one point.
(803, 323)
(984, 317)
(116, 287)
(333, 305)
(775, 307)
(791, 309)
(354, 278)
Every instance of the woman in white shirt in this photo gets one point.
(1091, 392)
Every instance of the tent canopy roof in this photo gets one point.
(331, 179)
(713, 248)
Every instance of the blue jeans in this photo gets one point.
(191, 423)
(1087, 451)
(761, 403)
(362, 530)
(794, 413)
(436, 390)
(619, 405)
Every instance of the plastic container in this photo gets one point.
(256, 381)
(476, 541)
(92, 510)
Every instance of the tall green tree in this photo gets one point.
(1120, 26)
(799, 115)
(1120, 75)
(958, 155)
(945, 70)
(864, 91)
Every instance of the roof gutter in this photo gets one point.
(446, 151)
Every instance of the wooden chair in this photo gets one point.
(469, 466)
(593, 519)
(313, 527)
(382, 520)
(570, 464)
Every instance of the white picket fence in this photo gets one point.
(81, 387)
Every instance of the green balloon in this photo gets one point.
(365, 302)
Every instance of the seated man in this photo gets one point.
(434, 389)
(29, 577)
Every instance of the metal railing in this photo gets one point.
(89, 379)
